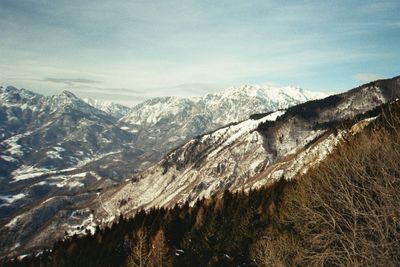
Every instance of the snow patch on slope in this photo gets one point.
(12, 198)
(236, 154)
(236, 131)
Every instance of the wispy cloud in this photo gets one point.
(142, 48)
(70, 81)
(368, 77)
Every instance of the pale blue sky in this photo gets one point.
(127, 51)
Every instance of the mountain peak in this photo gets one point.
(230, 105)
(111, 108)
(8, 89)
(68, 94)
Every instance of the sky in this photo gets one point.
(128, 51)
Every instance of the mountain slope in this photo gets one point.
(249, 154)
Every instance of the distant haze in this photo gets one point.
(128, 51)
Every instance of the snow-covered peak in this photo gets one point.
(164, 99)
(11, 96)
(237, 103)
(274, 93)
(32, 102)
(65, 97)
(154, 110)
(67, 102)
(23, 93)
(68, 94)
(8, 89)
(111, 108)
(230, 105)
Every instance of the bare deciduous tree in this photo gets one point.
(159, 251)
(279, 251)
(140, 250)
(346, 211)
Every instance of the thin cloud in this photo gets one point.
(126, 93)
(368, 77)
(108, 90)
(70, 81)
(190, 49)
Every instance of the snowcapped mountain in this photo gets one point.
(231, 105)
(54, 133)
(18, 110)
(111, 108)
(250, 154)
(59, 152)
(167, 122)
(239, 102)
(22, 110)
(55, 153)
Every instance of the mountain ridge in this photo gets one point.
(68, 152)
(291, 142)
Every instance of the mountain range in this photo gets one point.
(61, 156)
(68, 167)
